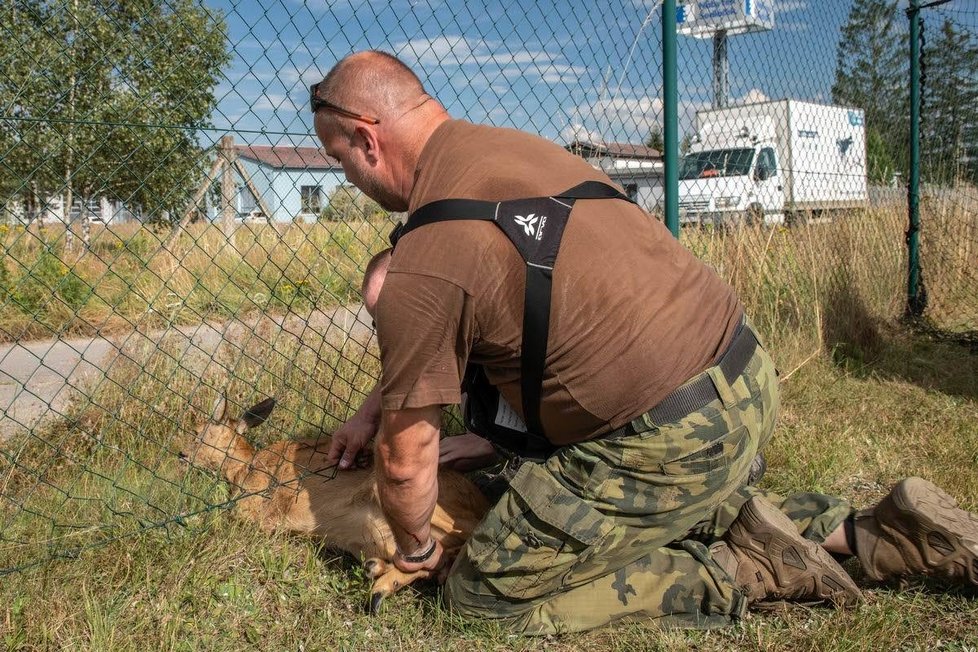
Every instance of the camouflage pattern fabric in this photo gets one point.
(616, 529)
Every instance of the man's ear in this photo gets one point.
(366, 139)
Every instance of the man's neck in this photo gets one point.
(415, 143)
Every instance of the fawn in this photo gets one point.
(290, 486)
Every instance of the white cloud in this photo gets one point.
(630, 116)
(753, 96)
(273, 102)
(580, 133)
(301, 78)
(459, 51)
(236, 77)
(625, 119)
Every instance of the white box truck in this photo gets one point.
(773, 160)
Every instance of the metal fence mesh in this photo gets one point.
(172, 232)
(949, 166)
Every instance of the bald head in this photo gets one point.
(380, 121)
(372, 82)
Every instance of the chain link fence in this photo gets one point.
(173, 233)
(948, 128)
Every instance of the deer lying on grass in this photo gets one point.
(290, 486)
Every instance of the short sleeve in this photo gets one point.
(420, 324)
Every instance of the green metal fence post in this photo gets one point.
(670, 137)
(915, 294)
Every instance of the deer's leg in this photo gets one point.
(388, 579)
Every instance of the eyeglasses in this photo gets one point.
(316, 103)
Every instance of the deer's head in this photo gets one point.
(220, 440)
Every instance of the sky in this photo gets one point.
(560, 68)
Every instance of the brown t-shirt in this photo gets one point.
(633, 315)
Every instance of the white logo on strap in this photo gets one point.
(528, 223)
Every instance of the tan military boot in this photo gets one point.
(768, 560)
(918, 530)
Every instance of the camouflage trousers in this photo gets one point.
(616, 529)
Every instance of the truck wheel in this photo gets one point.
(754, 215)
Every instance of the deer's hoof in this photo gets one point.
(374, 567)
(376, 599)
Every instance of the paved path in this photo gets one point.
(38, 379)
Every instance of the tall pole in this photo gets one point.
(721, 69)
(670, 91)
(228, 208)
(916, 297)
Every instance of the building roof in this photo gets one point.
(279, 156)
(615, 150)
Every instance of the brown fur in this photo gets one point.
(290, 486)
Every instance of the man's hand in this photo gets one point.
(466, 452)
(350, 444)
(438, 564)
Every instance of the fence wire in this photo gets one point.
(172, 232)
(949, 166)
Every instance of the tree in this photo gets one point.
(871, 73)
(109, 98)
(655, 140)
(949, 119)
(347, 203)
(881, 169)
(24, 95)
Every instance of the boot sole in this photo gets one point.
(947, 534)
(773, 535)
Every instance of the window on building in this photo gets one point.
(246, 201)
(82, 208)
(631, 189)
(312, 199)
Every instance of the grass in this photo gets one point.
(51, 284)
(122, 547)
(214, 583)
(949, 251)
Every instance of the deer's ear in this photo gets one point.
(220, 410)
(256, 414)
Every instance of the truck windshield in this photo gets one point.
(716, 163)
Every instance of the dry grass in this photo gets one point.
(156, 564)
(50, 284)
(949, 255)
(816, 286)
(207, 582)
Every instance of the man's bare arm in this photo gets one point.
(407, 473)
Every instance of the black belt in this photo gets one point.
(689, 397)
(695, 394)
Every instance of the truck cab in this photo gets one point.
(735, 184)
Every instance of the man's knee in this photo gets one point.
(674, 588)
(466, 594)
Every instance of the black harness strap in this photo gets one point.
(536, 327)
(535, 226)
(593, 190)
(444, 210)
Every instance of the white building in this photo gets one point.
(636, 168)
(292, 183)
(51, 210)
